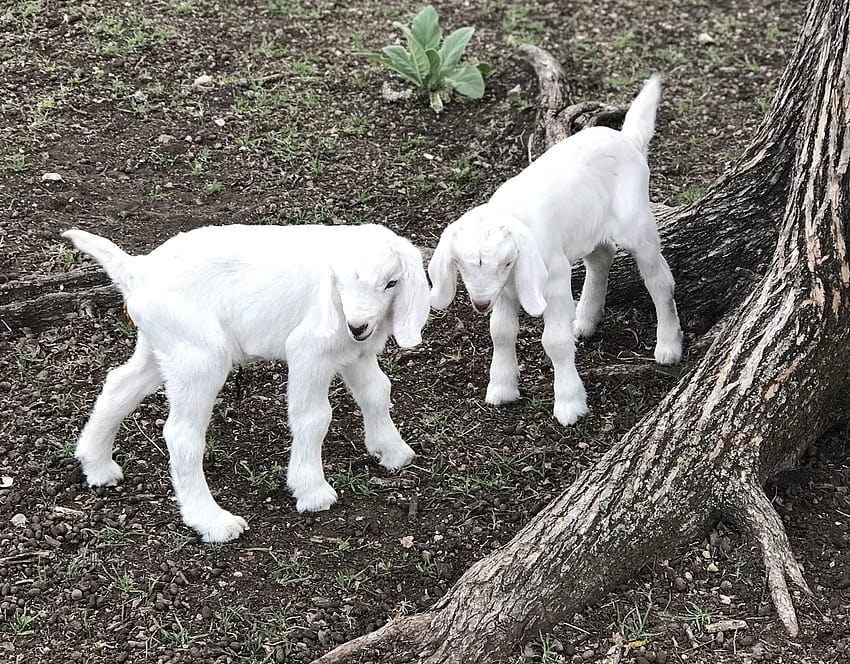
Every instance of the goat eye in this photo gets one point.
(391, 284)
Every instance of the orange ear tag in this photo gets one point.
(130, 322)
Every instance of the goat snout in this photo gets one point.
(481, 306)
(359, 330)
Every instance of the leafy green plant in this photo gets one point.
(432, 63)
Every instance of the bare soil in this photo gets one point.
(291, 127)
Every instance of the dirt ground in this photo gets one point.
(290, 127)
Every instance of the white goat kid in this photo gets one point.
(324, 299)
(582, 197)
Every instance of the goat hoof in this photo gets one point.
(396, 456)
(103, 474)
(669, 353)
(570, 412)
(221, 527)
(584, 328)
(318, 499)
(498, 395)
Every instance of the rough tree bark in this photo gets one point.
(39, 304)
(761, 394)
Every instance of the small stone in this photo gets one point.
(51, 177)
(19, 520)
(704, 38)
(391, 93)
(588, 654)
(202, 81)
(680, 584)
(76, 594)
(725, 585)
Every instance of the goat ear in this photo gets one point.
(443, 271)
(328, 315)
(411, 303)
(529, 272)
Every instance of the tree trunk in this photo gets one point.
(761, 394)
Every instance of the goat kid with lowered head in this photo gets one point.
(323, 299)
(582, 198)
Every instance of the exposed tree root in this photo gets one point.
(556, 117)
(552, 96)
(758, 517)
(407, 629)
(48, 301)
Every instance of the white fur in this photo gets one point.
(220, 295)
(581, 199)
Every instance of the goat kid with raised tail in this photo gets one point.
(323, 299)
(581, 199)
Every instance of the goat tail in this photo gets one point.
(119, 265)
(639, 125)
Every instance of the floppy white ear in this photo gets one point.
(328, 314)
(529, 272)
(443, 270)
(411, 303)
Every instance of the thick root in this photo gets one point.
(758, 516)
(395, 633)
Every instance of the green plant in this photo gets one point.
(347, 580)
(432, 63)
(176, 635)
(267, 479)
(27, 362)
(689, 194)
(16, 162)
(30, 8)
(549, 651)
(122, 581)
(212, 187)
(696, 615)
(109, 536)
(357, 483)
(20, 624)
(633, 623)
(428, 567)
(343, 544)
